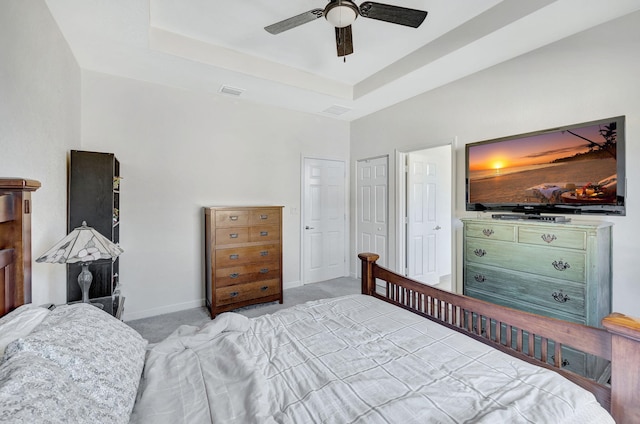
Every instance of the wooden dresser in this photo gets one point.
(561, 270)
(243, 256)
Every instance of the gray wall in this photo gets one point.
(588, 76)
(39, 124)
(181, 150)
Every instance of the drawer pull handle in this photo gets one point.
(233, 217)
(234, 294)
(264, 288)
(264, 270)
(264, 216)
(233, 257)
(480, 252)
(487, 232)
(548, 237)
(564, 361)
(561, 266)
(264, 253)
(233, 235)
(234, 275)
(480, 278)
(560, 297)
(264, 233)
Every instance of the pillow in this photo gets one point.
(36, 390)
(103, 356)
(18, 323)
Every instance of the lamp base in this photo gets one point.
(84, 280)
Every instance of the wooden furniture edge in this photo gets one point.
(21, 184)
(625, 366)
(618, 341)
(15, 234)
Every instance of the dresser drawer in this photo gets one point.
(492, 231)
(553, 237)
(264, 233)
(234, 256)
(565, 297)
(240, 293)
(556, 263)
(230, 218)
(232, 235)
(247, 273)
(509, 302)
(265, 216)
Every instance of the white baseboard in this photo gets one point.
(177, 307)
(291, 284)
(167, 309)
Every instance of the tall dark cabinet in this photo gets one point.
(94, 197)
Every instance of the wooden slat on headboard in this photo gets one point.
(15, 237)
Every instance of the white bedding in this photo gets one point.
(353, 359)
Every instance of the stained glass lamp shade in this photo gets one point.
(85, 245)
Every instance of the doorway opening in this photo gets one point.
(425, 220)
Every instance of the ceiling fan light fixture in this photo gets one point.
(341, 13)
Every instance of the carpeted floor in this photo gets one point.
(154, 329)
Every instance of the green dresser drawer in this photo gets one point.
(565, 297)
(563, 264)
(491, 230)
(553, 237)
(498, 299)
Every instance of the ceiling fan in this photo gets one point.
(342, 13)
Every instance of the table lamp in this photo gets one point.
(85, 245)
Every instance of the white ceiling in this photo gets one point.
(206, 44)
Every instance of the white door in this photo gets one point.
(428, 214)
(372, 207)
(324, 220)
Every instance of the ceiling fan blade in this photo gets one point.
(294, 21)
(344, 41)
(394, 14)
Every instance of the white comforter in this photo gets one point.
(353, 359)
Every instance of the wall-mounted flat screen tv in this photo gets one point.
(576, 169)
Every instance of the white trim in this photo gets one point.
(401, 212)
(167, 309)
(291, 284)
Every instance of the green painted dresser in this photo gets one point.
(561, 270)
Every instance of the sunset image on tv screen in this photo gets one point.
(576, 165)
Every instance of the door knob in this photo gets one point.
(308, 228)
(437, 227)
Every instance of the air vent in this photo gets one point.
(231, 91)
(337, 110)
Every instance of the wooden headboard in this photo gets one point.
(15, 242)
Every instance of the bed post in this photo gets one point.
(368, 282)
(625, 368)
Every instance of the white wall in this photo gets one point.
(589, 76)
(180, 151)
(39, 124)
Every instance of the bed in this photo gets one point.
(399, 352)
